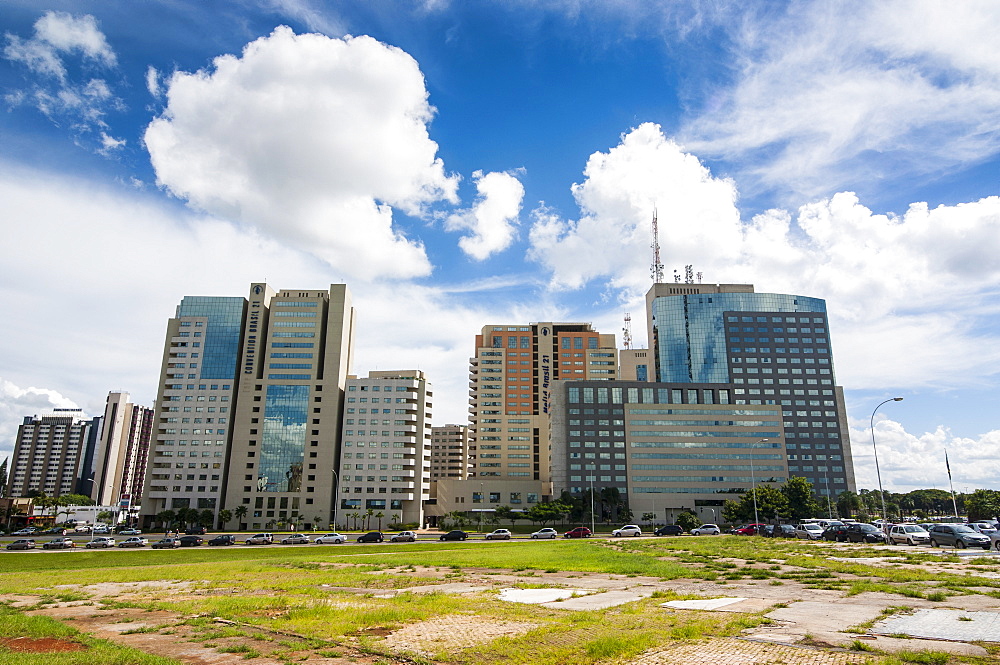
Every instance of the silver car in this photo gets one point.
(330, 539)
(706, 530)
(296, 539)
(911, 534)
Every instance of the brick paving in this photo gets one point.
(743, 652)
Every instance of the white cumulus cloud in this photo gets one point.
(492, 220)
(311, 140)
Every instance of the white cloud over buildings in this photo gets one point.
(492, 220)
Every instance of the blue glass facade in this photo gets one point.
(221, 351)
(691, 336)
(283, 440)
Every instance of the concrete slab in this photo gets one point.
(943, 625)
(538, 596)
(455, 587)
(600, 601)
(710, 604)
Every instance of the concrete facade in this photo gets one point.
(122, 454)
(49, 453)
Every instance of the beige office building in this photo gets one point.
(386, 457)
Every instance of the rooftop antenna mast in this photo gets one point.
(657, 267)
(627, 331)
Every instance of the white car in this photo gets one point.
(547, 532)
(134, 541)
(101, 541)
(296, 539)
(809, 531)
(330, 539)
(911, 534)
(627, 530)
(706, 530)
(499, 534)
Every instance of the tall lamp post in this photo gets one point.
(336, 492)
(878, 473)
(592, 523)
(753, 480)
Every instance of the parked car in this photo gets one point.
(259, 539)
(404, 537)
(27, 531)
(911, 534)
(498, 534)
(547, 532)
(957, 535)
(166, 544)
(22, 544)
(578, 532)
(995, 541)
(296, 539)
(371, 537)
(130, 532)
(61, 543)
(809, 531)
(706, 530)
(191, 541)
(457, 534)
(985, 528)
(627, 530)
(195, 531)
(100, 541)
(782, 531)
(330, 539)
(859, 532)
(134, 541)
(669, 530)
(224, 539)
(748, 530)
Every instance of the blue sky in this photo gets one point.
(463, 164)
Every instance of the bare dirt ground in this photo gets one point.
(808, 623)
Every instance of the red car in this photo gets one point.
(749, 530)
(578, 532)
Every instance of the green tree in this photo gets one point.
(240, 512)
(379, 515)
(983, 505)
(648, 517)
(507, 513)
(688, 520)
(206, 518)
(75, 500)
(848, 504)
(800, 499)
(225, 515)
(166, 518)
(105, 516)
(771, 504)
(547, 511)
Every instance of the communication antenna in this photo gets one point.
(627, 331)
(677, 277)
(657, 267)
(698, 275)
(689, 274)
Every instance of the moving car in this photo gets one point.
(706, 530)
(27, 531)
(578, 532)
(101, 541)
(166, 543)
(911, 534)
(809, 531)
(191, 541)
(82, 528)
(296, 539)
(669, 530)
(195, 531)
(627, 530)
(61, 543)
(22, 544)
(330, 539)
(259, 539)
(404, 537)
(371, 537)
(130, 532)
(547, 532)
(224, 539)
(499, 534)
(457, 534)
(957, 535)
(54, 531)
(134, 541)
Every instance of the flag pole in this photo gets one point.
(950, 483)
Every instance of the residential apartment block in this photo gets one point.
(122, 454)
(50, 454)
(451, 454)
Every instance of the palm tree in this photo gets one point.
(368, 517)
(166, 518)
(356, 515)
(379, 515)
(240, 512)
(224, 516)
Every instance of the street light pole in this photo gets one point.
(753, 480)
(878, 473)
(336, 493)
(592, 523)
(482, 503)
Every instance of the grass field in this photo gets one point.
(292, 603)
